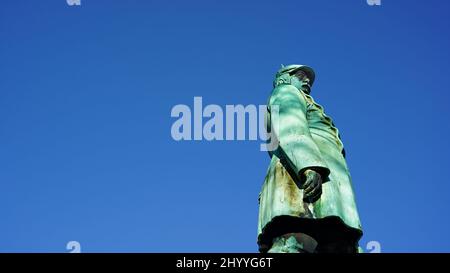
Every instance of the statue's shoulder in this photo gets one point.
(287, 92)
(284, 88)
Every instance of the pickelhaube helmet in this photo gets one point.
(286, 72)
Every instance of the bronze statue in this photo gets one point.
(306, 203)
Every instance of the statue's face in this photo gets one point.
(301, 81)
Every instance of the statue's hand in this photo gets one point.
(312, 186)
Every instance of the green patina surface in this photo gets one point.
(307, 139)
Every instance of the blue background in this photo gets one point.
(86, 92)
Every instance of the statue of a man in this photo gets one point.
(306, 203)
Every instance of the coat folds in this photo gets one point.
(307, 138)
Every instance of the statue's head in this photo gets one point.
(300, 76)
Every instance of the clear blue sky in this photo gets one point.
(86, 93)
